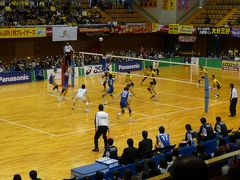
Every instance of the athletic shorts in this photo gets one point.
(153, 82)
(123, 104)
(110, 90)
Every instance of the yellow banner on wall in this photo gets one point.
(173, 29)
(22, 32)
(169, 4)
(185, 29)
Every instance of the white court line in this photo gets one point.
(170, 113)
(155, 102)
(19, 97)
(140, 119)
(27, 127)
(162, 92)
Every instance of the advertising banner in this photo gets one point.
(235, 32)
(230, 65)
(96, 29)
(129, 66)
(185, 29)
(214, 30)
(58, 75)
(15, 77)
(92, 70)
(173, 29)
(22, 32)
(64, 33)
(168, 4)
(134, 29)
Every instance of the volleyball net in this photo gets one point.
(176, 69)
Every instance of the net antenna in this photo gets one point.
(163, 62)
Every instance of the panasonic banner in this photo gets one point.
(129, 66)
(15, 77)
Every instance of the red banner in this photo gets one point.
(133, 29)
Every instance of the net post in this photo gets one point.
(191, 74)
(206, 62)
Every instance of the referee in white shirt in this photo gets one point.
(68, 50)
(233, 100)
(101, 127)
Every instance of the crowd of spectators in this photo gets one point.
(44, 12)
(173, 161)
(49, 62)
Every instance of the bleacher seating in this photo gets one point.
(122, 15)
(214, 164)
(214, 13)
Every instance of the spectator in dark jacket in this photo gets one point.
(130, 154)
(233, 145)
(220, 127)
(33, 175)
(145, 146)
(17, 177)
(110, 151)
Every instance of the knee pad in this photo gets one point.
(130, 111)
(122, 111)
(148, 89)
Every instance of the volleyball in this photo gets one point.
(100, 39)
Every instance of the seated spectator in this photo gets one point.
(17, 177)
(189, 168)
(139, 170)
(162, 139)
(163, 166)
(130, 154)
(233, 145)
(33, 175)
(110, 151)
(190, 136)
(220, 127)
(206, 131)
(145, 146)
(152, 170)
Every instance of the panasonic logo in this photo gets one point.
(14, 78)
(134, 66)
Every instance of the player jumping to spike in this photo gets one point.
(81, 94)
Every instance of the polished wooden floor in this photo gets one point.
(38, 132)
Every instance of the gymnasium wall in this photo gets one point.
(42, 47)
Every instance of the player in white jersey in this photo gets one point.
(81, 94)
(155, 66)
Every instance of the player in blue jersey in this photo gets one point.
(65, 86)
(52, 80)
(110, 90)
(125, 102)
(162, 139)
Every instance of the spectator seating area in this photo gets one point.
(209, 15)
(148, 4)
(121, 15)
(211, 147)
(64, 12)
